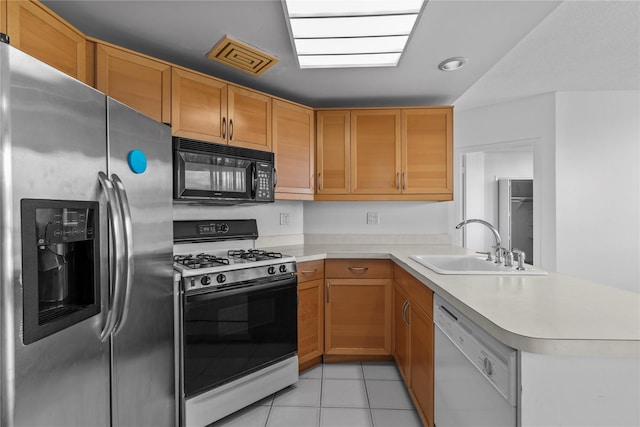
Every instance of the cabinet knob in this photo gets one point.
(224, 128)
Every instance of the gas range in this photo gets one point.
(220, 254)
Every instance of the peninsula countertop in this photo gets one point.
(552, 314)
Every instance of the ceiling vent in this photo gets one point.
(241, 56)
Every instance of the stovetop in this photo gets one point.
(210, 254)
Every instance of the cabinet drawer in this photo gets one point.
(358, 268)
(310, 270)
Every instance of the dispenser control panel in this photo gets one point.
(63, 225)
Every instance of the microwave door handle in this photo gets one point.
(254, 180)
(127, 224)
(275, 178)
(115, 281)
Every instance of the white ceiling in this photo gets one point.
(514, 48)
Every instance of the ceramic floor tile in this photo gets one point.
(343, 371)
(381, 371)
(288, 416)
(395, 418)
(388, 395)
(251, 416)
(267, 401)
(305, 392)
(315, 372)
(345, 417)
(344, 394)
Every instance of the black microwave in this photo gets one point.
(208, 173)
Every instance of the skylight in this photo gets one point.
(355, 33)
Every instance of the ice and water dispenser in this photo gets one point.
(60, 265)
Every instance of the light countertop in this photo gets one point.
(552, 314)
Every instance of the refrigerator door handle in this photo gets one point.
(117, 264)
(127, 224)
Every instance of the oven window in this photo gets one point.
(226, 337)
(216, 173)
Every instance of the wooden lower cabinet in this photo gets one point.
(421, 363)
(310, 313)
(413, 340)
(401, 348)
(358, 308)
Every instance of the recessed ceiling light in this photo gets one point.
(356, 33)
(452, 64)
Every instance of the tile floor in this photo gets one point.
(369, 394)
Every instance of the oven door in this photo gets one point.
(230, 333)
(213, 176)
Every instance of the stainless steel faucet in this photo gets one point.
(498, 246)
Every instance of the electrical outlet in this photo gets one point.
(284, 219)
(373, 218)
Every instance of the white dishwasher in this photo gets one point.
(475, 375)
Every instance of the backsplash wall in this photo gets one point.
(266, 215)
(395, 217)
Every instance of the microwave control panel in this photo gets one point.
(264, 181)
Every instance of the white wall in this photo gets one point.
(586, 183)
(267, 215)
(528, 122)
(395, 217)
(598, 186)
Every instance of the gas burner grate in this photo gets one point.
(200, 261)
(253, 254)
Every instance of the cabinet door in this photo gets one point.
(427, 147)
(401, 313)
(36, 30)
(375, 151)
(142, 83)
(358, 317)
(310, 321)
(293, 146)
(198, 106)
(249, 115)
(333, 151)
(421, 370)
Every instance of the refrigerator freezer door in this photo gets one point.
(53, 137)
(143, 353)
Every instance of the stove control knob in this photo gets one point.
(205, 280)
(283, 268)
(221, 278)
(271, 270)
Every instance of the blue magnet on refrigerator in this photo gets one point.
(137, 161)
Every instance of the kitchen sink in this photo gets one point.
(468, 264)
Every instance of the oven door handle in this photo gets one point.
(213, 294)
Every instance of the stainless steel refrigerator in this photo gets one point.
(86, 271)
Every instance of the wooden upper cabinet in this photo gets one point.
(3, 16)
(198, 106)
(212, 110)
(293, 146)
(333, 151)
(375, 151)
(427, 149)
(249, 117)
(38, 31)
(138, 81)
